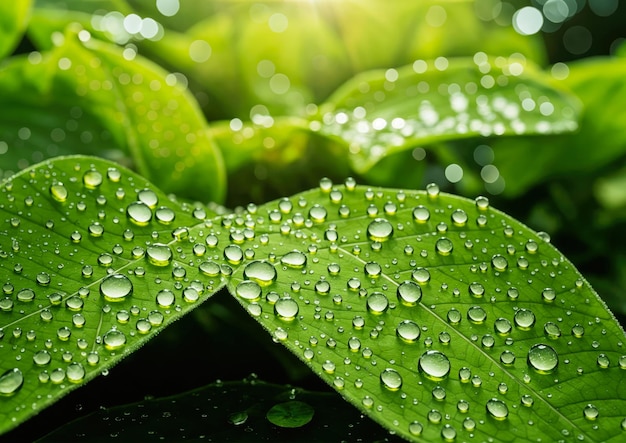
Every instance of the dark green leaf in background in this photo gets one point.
(14, 17)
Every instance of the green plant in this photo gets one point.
(435, 315)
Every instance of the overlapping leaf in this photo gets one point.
(381, 112)
(13, 20)
(437, 316)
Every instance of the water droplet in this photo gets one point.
(432, 190)
(92, 179)
(527, 400)
(408, 330)
(391, 379)
(114, 339)
(377, 303)
(11, 381)
(421, 275)
(548, 295)
(551, 330)
(286, 308)
(318, 213)
(603, 361)
(434, 416)
(416, 428)
(499, 263)
(497, 409)
(459, 217)
(434, 365)
(444, 246)
(59, 192)
(379, 230)
(507, 357)
(542, 358)
(590, 412)
(139, 213)
(233, 254)
(209, 268)
(421, 214)
(354, 344)
(476, 314)
(159, 254)
(448, 432)
(115, 287)
(502, 326)
(42, 357)
(248, 290)
(165, 298)
(261, 272)
(322, 287)
(454, 316)
(439, 393)
(476, 289)
(75, 373)
(524, 319)
(373, 270)
(409, 293)
(164, 215)
(578, 331)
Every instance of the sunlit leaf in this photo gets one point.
(599, 84)
(92, 264)
(381, 112)
(86, 94)
(225, 412)
(13, 20)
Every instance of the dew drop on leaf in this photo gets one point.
(139, 213)
(233, 254)
(551, 330)
(590, 412)
(499, 263)
(379, 230)
(409, 293)
(421, 214)
(454, 316)
(165, 298)
(434, 416)
(248, 290)
(26, 295)
(444, 246)
(524, 319)
(476, 314)
(148, 197)
(497, 409)
(434, 365)
(448, 432)
(114, 339)
(11, 381)
(59, 192)
(159, 254)
(408, 330)
(92, 179)
(416, 428)
(391, 379)
(164, 215)
(261, 272)
(377, 303)
(421, 275)
(542, 358)
(502, 326)
(113, 288)
(286, 308)
(75, 372)
(42, 357)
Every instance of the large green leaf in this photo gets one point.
(86, 94)
(435, 315)
(13, 20)
(599, 83)
(382, 112)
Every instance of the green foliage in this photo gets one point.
(397, 299)
(13, 20)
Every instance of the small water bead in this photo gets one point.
(210, 268)
(11, 381)
(318, 213)
(499, 263)
(527, 400)
(322, 287)
(122, 316)
(59, 192)
(524, 319)
(164, 215)
(603, 361)
(421, 275)
(42, 358)
(143, 326)
(476, 289)
(233, 254)
(444, 246)
(148, 197)
(6, 304)
(116, 287)
(159, 254)
(354, 344)
(75, 373)
(454, 316)
(439, 393)
(334, 269)
(469, 424)
(328, 367)
(156, 318)
(421, 214)
(261, 272)
(622, 361)
(487, 341)
(548, 295)
(590, 412)
(358, 322)
(551, 330)
(465, 374)
(379, 230)
(57, 376)
(26, 295)
(46, 315)
(78, 320)
(542, 358)
(434, 416)
(350, 184)
(459, 217)
(248, 290)
(165, 298)
(92, 179)
(114, 339)
(409, 293)
(286, 308)
(448, 432)
(354, 284)
(408, 330)
(87, 271)
(463, 406)
(391, 379)
(294, 259)
(434, 365)
(139, 213)
(476, 314)
(502, 326)
(416, 428)
(377, 303)
(497, 409)
(64, 333)
(507, 357)
(373, 270)
(331, 235)
(43, 279)
(432, 190)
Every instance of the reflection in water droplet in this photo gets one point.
(448, 432)
(502, 326)
(603, 361)
(58, 192)
(75, 373)
(499, 263)
(454, 316)
(476, 314)
(421, 275)
(409, 293)
(578, 331)
(294, 259)
(379, 230)
(317, 213)
(391, 379)
(11, 381)
(286, 308)
(507, 357)
(114, 339)
(421, 214)
(115, 287)
(497, 409)
(444, 246)
(551, 330)
(542, 358)
(416, 428)
(261, 272)
(92, 179)
(527, 400)
(139, 213)
(249, 290)
(209, 268)
(26, 295)
(159, 254)
(524, 319)
(377, 303)
(408, 331)
(165, 298)
(164, 215)
(476, 289)
(233, 254)
(434, 364)
(434, 416)
(42, 358)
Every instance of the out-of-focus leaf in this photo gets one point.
(229, 411)
(91, 97)
(610, 190)
(381, 112)
(14, 16)
(93, 262)
(601, 139)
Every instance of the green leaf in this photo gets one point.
(88, 274)
(436, 315)
(225, 411)
(382, 112)
(599, 85)
(14, 17)
(82, 96)
(432, 314)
